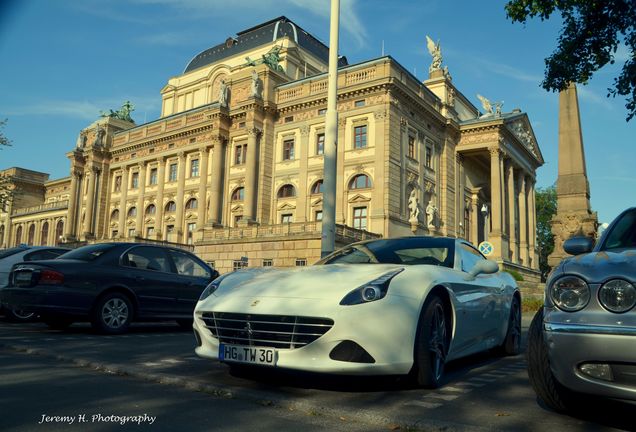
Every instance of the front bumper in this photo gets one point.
(46, 300)
(385, 329)
(571, 345)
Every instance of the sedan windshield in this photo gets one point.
(88, 253)
(405, 251)
(623, 233)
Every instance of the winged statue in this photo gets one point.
(486, 104)
(436, 52)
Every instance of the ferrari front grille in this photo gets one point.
(274, 331)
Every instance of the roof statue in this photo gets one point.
(123, 113)
(436, 52)
(270, 58)
(485, 103)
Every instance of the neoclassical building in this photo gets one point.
(233, 166)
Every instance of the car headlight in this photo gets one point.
(370, 291)
(212, 286)
(570, 293)
(617, 295)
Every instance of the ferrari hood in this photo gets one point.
(597, 267)
(315, 282)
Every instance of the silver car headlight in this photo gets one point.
(570, 293)
(370, 291)
(617, 295)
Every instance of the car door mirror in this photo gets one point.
(578, 245)
(483, 266)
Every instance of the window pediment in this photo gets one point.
(357, 198)
(287, 206)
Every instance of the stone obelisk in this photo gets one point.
(574, 216)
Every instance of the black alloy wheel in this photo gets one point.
(431, 344)
(112, 313)
(19, 316)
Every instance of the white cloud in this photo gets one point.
(166, 39)
(588, 95)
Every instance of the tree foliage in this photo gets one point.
(5, 180)
(591, 33)
(546, 204)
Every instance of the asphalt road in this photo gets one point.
(156, 364)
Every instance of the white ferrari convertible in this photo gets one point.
(389, 306)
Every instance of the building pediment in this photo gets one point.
(317, 203)
(357, 198)
(237, 207)
(149, 221)
(169, 219)
(522, 130)
(286, 206)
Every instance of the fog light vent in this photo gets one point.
(600, 371)
(350, 351)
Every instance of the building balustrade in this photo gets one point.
(57, 205)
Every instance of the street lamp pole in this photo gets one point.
(331, 140)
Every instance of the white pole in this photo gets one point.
(331, 140)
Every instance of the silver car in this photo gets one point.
(583, 342)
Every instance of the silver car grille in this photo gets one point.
(275, 331)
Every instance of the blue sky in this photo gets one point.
(64, 61)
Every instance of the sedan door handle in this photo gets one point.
(140, 278)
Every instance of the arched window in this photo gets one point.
(361, 181)
(171, 207)
(31, 235)
(151, 209)
(18, 236)
(287, 191)
(317, 187)
(132, 212)
(59, 231)
(44, 234)
(114, 215)
(191, 204)
(238, 194)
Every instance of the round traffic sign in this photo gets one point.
(486, 248)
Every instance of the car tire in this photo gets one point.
(545, 385)
(431, 344)
(512, 343)
(185, 324)
(19, 316)
(57, 323)
(112, 314)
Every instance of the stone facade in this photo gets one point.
(237, 172)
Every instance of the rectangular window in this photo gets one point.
(411, 149)
(360, 136)
(288, 149)
(194, 168)
(320, 143)
(359, 103)
(237, 219)
(429, 157)
(117, 187)
(267, 263)
(318, 215)
(134, 181)
(240, 154)
(211, 263)
(150, 232)
(153, 176)
(131, 232)
(172, 174)
(301, 262)
(360, 218)
(239, 264)
(286, 218)
(190, 229)
(114, 234)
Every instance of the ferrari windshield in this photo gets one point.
(405, 251)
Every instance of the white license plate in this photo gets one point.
(247, 354)
(23, 277)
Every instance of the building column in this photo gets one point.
(90, 200)
(161, 180)
(203, 179)
(512, 236)
(341, 187)
(251, 174)
(122, 203)
(523, 220)
(139, 222)
(179, 199)
(532, 226)
(72, 204)
(495, 236)
(216, 185)
(459, 196)
(474, 219)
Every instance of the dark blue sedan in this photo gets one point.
(110, 285)
(583, 342)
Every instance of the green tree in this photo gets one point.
(5, 180)
(546, 204)
(591, 33)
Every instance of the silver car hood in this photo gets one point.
(597, 267)
(331, 281)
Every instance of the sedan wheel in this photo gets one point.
(17, 315)
(112, 314)
(431, 345)
(512, 343)
(545, 385)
